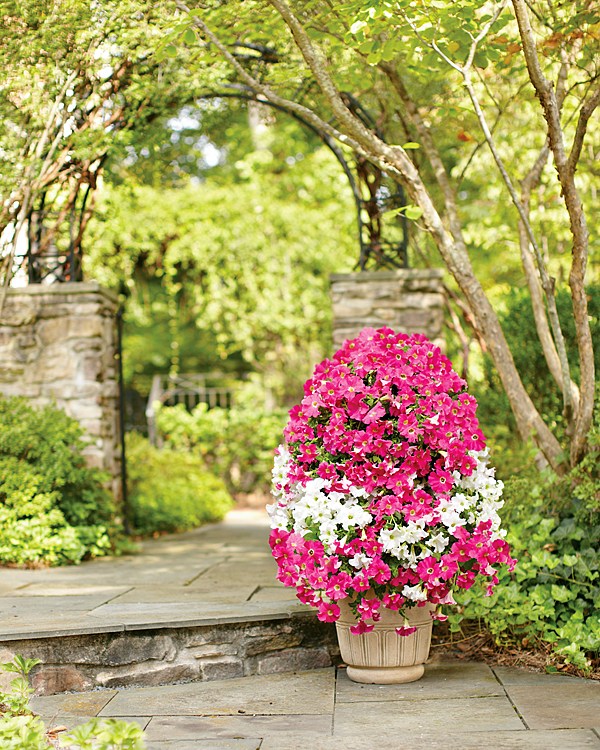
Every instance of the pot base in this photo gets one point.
(385, 675)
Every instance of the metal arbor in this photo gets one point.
(374, 193)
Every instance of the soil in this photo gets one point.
(474, 644)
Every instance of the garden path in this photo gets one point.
(455, 706)
(215, 574)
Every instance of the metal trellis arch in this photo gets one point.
(373, 247)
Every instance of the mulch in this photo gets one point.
(474, 643)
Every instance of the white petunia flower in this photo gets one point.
(414, 593)
(353, 515)
(360, 561)
(438, 542)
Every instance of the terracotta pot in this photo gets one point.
(382, 656)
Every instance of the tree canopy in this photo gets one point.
(482, 111)
(517, 80)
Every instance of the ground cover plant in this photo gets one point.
(21, 729)
(171, 490)
(53, 508)
(553, 595)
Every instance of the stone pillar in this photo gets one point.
(408, 300)
(57, 345)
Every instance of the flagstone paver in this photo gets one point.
(451, 680)
(543, 740)
(70, 722)
(568, 706)
(442, 714)
(513, 676)
(72, 704)
(206, 745)
(300, 711)
(192, 727)
(218, 573)
(300, 693)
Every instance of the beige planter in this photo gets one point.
(382, 656)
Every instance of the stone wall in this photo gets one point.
(183, 654)
(408, 300)
(57, 344)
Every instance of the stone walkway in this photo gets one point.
(203, 605)
(149, 619)
(213, 573)
(453, 707)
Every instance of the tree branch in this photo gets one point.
(430, 149)
(547, 282)
(465, 341)
(469, 317)
(579, 230)
(585, 113)
(267, 92)
(395, 161)
(530, 181)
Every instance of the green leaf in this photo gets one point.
(411, 145)
(414, 212)
(389, 51)
(562, 593)
(480, 60)
(367, 46)
(357, 26)
(171, 50)
(189, 36)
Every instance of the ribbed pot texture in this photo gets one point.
(382, 656)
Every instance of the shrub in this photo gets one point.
(235, 444)
(553, 594)
(170, 490)
(53, 508)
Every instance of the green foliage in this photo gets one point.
(170, 490)
(17, 701)
(23, 733)
(235, 444)
(554, 592)
(53, 508)
(234, 272)
(155, 320)
(83, 87)
(495, 415)
(20, 729)
(105, 734)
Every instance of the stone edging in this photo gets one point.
(162, 654)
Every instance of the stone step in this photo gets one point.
(148, 652)
(204, 605)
